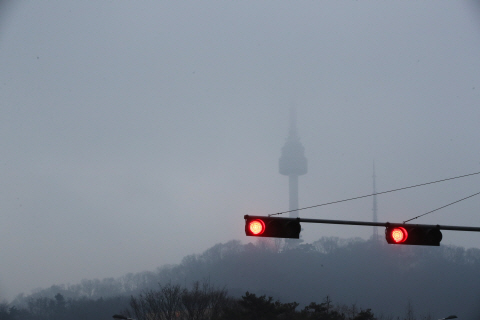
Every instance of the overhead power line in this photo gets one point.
(383, 192)
(441, 207)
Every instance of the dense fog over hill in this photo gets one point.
(433, 281)
(138, 134)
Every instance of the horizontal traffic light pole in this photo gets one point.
(366, 223)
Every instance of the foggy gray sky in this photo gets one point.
(135, 133)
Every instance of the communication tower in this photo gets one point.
(293, 163)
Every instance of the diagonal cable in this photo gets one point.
(369, 195)
(441, 207)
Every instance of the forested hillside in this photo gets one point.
(433, 281)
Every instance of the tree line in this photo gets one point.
(434, 280)
(172, 302)
(59, 308)
(205, 302)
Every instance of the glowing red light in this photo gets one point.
(257, 227)
(399, 234)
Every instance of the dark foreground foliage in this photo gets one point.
(204, 302)
(265, 308)
(60, 308)
(171, 302)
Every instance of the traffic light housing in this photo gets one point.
(273, 227)
(413, 235)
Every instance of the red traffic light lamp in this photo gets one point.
(397, 235)
(256, 227)
(413, 235)
(274, 227)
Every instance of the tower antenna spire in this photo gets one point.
(293, 123)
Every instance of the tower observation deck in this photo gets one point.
(293, 163)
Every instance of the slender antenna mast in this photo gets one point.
(374, 209)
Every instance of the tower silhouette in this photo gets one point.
(293, 163)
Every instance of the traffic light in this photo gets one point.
(413, 235)
(274, 227)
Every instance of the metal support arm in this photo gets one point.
(374, 224)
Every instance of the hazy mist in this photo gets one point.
(136, 133)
